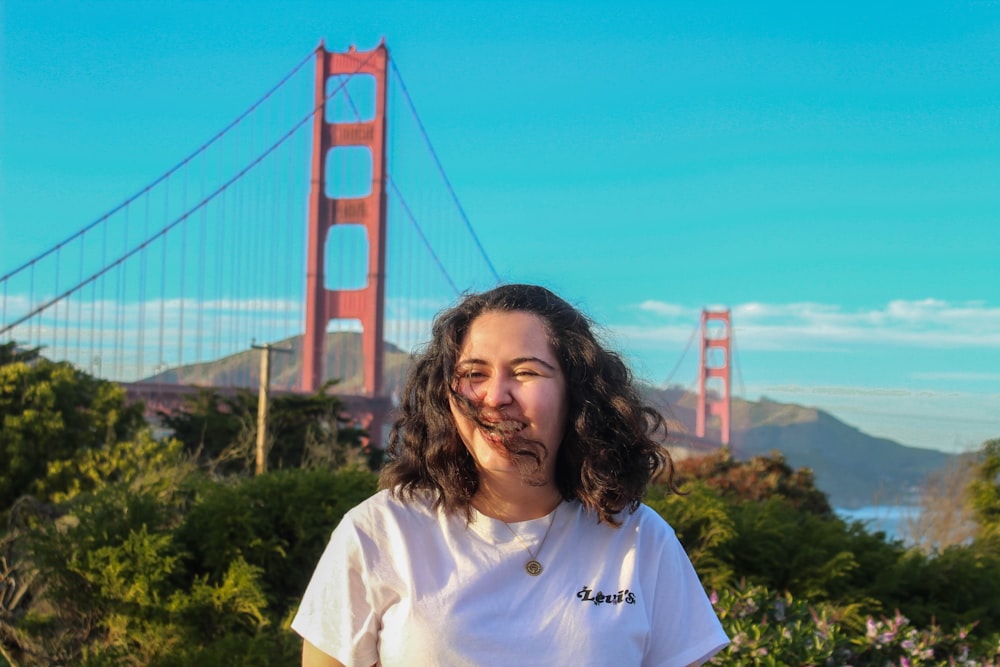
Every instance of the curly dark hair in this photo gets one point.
(608, 454)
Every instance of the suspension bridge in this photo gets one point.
(183, 282)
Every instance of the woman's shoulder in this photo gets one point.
(387, 506)
(647, 522)
(643, 519)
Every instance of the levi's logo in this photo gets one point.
(621, 597)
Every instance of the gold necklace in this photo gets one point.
(533, 567)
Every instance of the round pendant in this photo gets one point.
(533, 567)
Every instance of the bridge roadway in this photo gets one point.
(163, 397)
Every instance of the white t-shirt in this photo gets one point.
(403, 584)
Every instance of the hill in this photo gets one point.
(343, 360)
(852, 467)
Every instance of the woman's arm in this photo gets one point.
(313, 657)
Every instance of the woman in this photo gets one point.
(509, 528)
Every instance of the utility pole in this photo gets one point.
(262, 402)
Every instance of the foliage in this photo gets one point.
(760, 478)
(768, 629)
(92, 469)
(209, 422)
(703, 524)
(168, 567)
(769, 524)
(984, 491)
(49, 412)
(945, 517)
(786, 549)
(264, 648)
(108, 574)
(302, 430)
(769, 542)
(278, 522)
(959, 585)
(131, 555)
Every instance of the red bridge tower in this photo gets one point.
(714, 374)
(366, 304)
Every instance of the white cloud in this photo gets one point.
(927, 323)
(819, 390)
(964, 376)
(667, 309)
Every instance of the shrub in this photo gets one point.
(760, 478)
(771, 541)
(768, 629)
(703, 524)
(278, 522)
(172, 568)
(302, 430)
(49, 412)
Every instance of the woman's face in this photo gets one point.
(508, 369)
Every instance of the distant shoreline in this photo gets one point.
(889, 519)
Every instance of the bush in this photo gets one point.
(768, 629)
(958, 586)
(50, 412)
(733, 534)
(171, 568)
(701, 519)
(760, 478)
(279, 522)
(302, 430)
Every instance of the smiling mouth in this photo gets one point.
(497, 432)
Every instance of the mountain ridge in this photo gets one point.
(853, 468)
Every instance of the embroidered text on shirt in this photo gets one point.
(625, 596)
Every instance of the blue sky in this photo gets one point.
(831, 173)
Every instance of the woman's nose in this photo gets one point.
(498, 392)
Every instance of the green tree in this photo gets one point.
(50, 411)
(208, 422)
(278, 522)
(984, 491)
(114, 586)
(765, 535)
(787, 549)
(302, 430)
(703, 523)
(168, 567)
(120, 462)
(760, 478)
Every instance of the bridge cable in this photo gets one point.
(169, 172)
(736, 365)
(677, 366)
(221, 189)
(406, 207)
(440, 167)
(427, 244)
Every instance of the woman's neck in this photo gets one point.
(517, 501)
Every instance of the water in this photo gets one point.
(890, 519)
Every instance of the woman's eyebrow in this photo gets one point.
(513, 362)
(528, 360)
